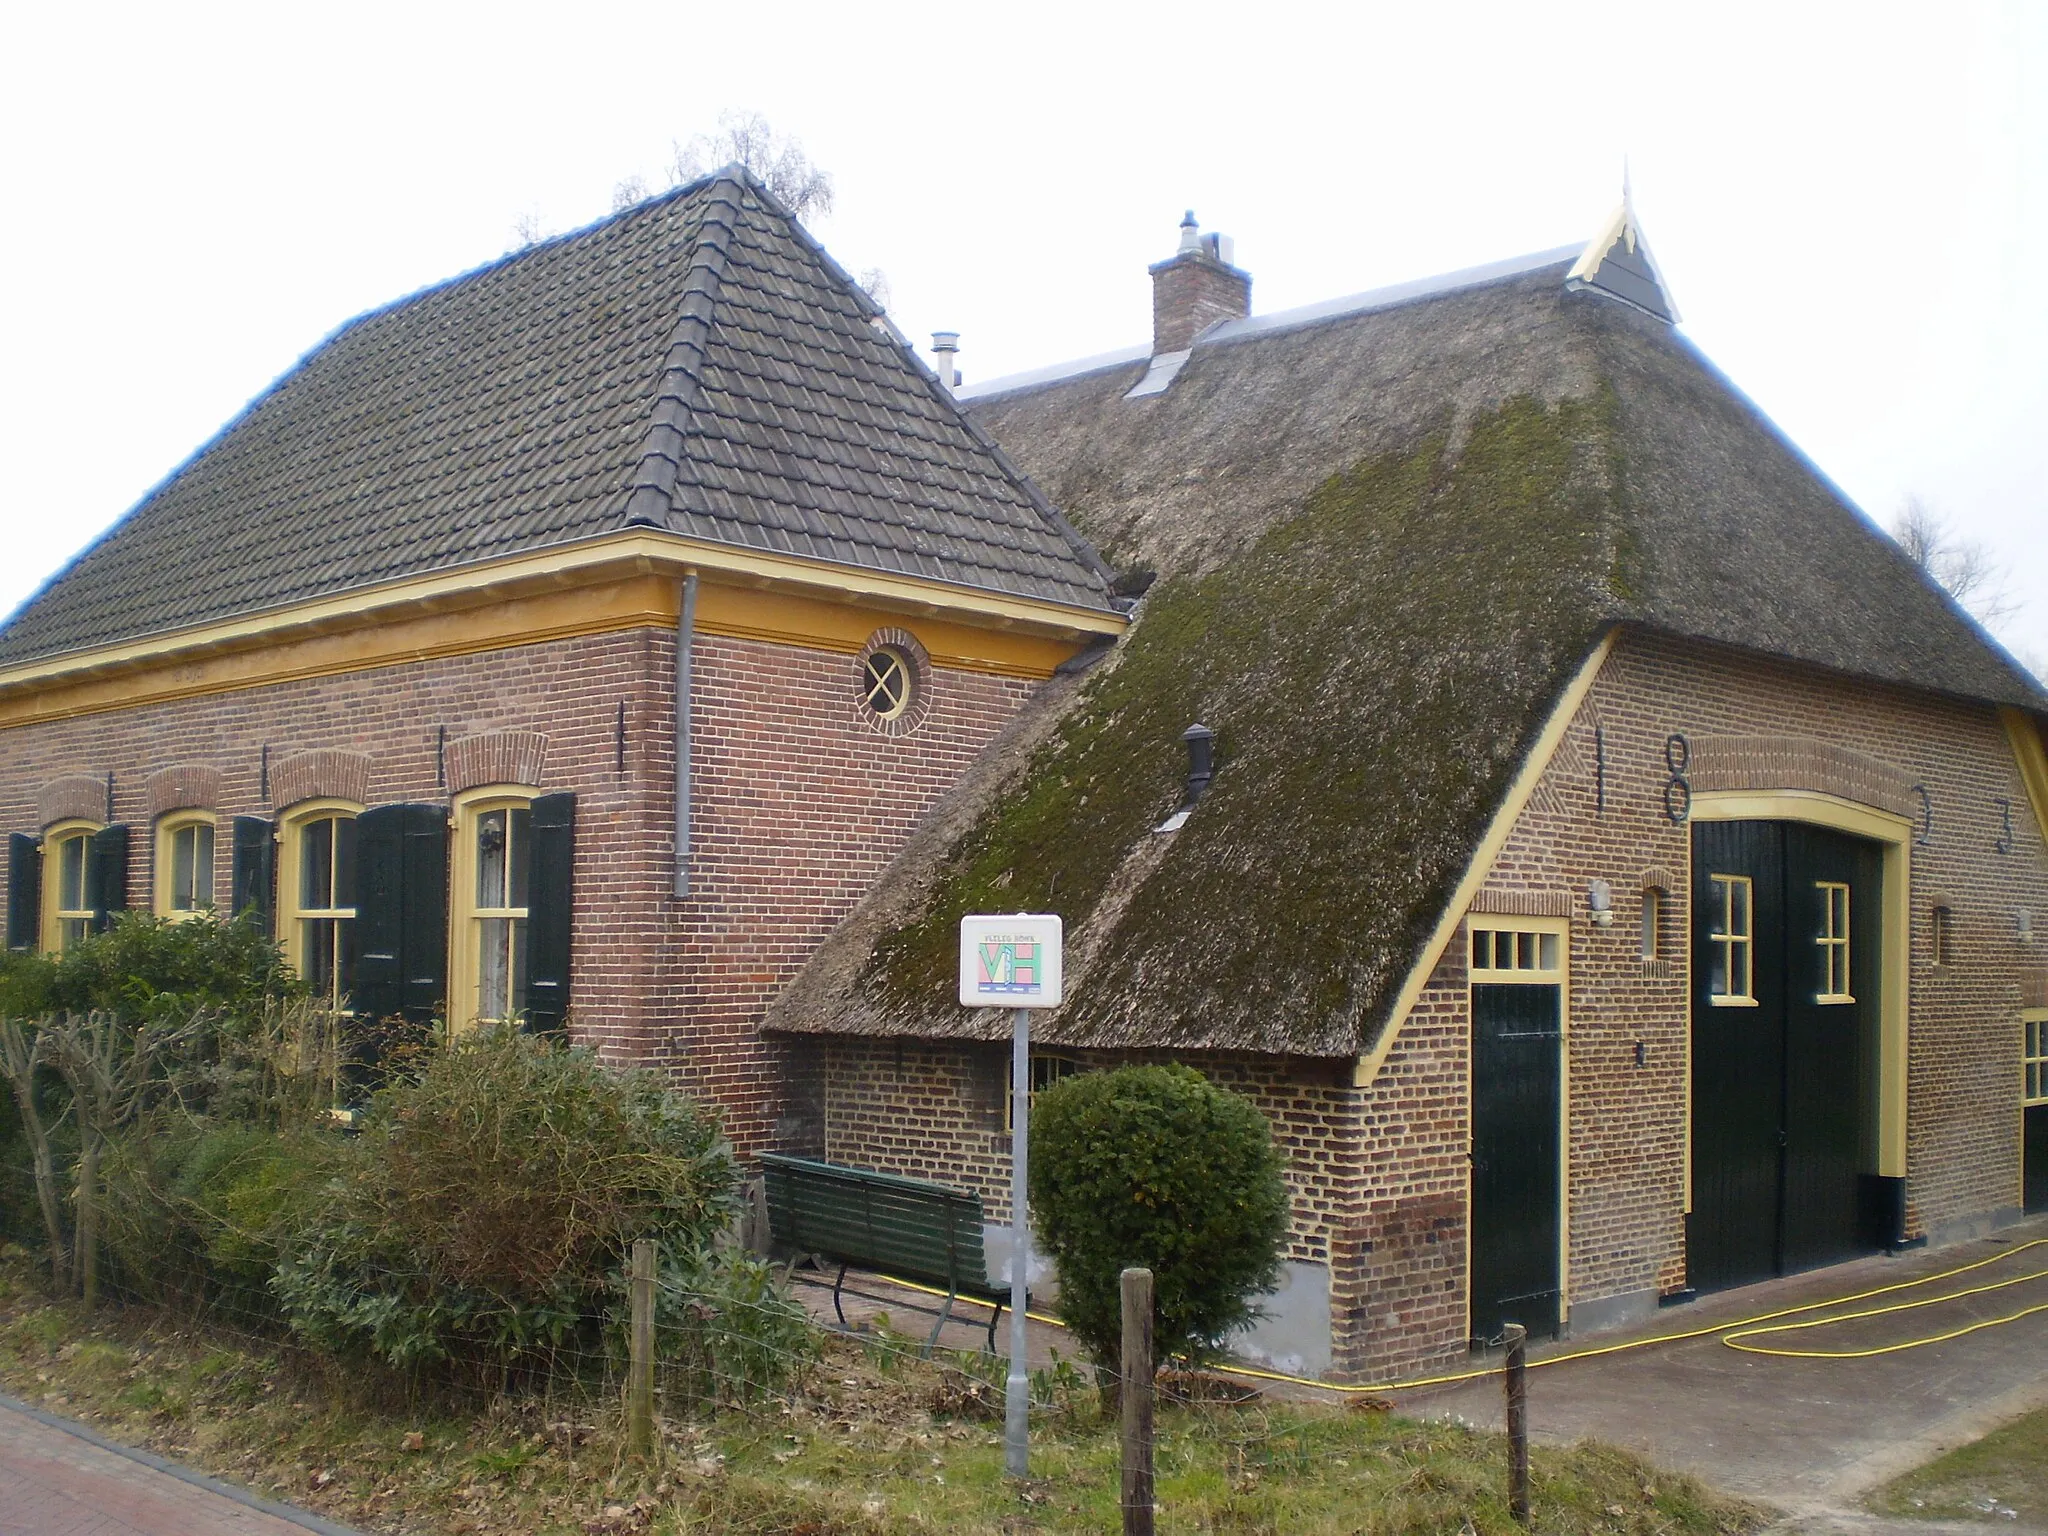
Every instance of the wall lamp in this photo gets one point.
(2023, 923)
(1600, 902)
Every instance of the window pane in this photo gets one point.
(490, 860)
(183, 846)
(521, 831)
(1649, 939)
(494, 973)
(71, 931)
(202, 865)
(344, 895)
(520, 966)
(1480, 948)
(71, 868)
(316, 865)
(316, 947)
(1549, 957)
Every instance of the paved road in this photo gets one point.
(57, 1482)
(1809, 1436)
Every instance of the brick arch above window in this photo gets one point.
(76, 797)
(326, 773)
(496, 757)
(1802, 763)
(183, 787)
(1657, 878)
(919, 662)
(1493, 902)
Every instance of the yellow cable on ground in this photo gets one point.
(1730, 1332)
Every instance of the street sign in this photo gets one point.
(1010, 962)
(1014, 962)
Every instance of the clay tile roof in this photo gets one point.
(696, 363)
(1386, 535)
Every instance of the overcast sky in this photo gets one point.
(1849, 202)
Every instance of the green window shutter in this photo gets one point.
(255, 873)
(380, 911)
(423, 951)
(548, 911)
(24, 890)
(106, 875)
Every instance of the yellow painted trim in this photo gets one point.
(1497, 832)
(181, 663)
(2027, 1016)
(2032, 759)
(465, 979)
(53, 915)
(1895, 834)
(290, 856)
(161, 854)
(484, 622)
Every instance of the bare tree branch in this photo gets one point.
(778, 161)
(1967, 570)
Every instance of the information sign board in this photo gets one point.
(1010, 962)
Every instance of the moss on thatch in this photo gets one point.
(1374, 667)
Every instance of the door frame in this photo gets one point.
(1894, 835)
(1561, 979)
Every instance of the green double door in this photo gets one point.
(1785, 967)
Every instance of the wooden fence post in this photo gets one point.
(640, 1357)
(1517, 1381)
(1136, 1393)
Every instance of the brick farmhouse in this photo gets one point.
(1621, 867)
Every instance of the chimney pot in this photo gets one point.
(945, 347)
(1201, 759)
(1196, 288)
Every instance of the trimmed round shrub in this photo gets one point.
(1159, 1167)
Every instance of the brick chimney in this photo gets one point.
(1195, 289)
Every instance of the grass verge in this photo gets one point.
(2002, 1477)
(870, 1445)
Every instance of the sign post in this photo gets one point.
(1014, 962)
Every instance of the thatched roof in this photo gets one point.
(1385, 534)
(696, 364)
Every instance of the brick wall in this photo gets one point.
(798, 805)
(1627, 1123)
(931, 1109)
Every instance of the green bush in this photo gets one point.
(199, 1213)
(483, 1217)
(147, 969)
(1156, 1166)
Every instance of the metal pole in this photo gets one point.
(1017, 1397)
(1517, 1383)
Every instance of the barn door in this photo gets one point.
(1784, 1056)
(1517, 1163)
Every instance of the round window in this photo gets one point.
(885, 683)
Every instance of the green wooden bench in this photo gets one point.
(895, 1226)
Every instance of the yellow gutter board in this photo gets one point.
(623, 582)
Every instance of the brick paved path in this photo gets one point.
(53, 1482)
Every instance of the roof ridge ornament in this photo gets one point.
(1617, 262)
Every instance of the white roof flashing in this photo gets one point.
(1169, 364)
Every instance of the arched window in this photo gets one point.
(316, 895)
(491, 881)
(69, 911)
(184, 863)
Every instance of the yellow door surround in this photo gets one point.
(621, 581)
(1894, 834)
